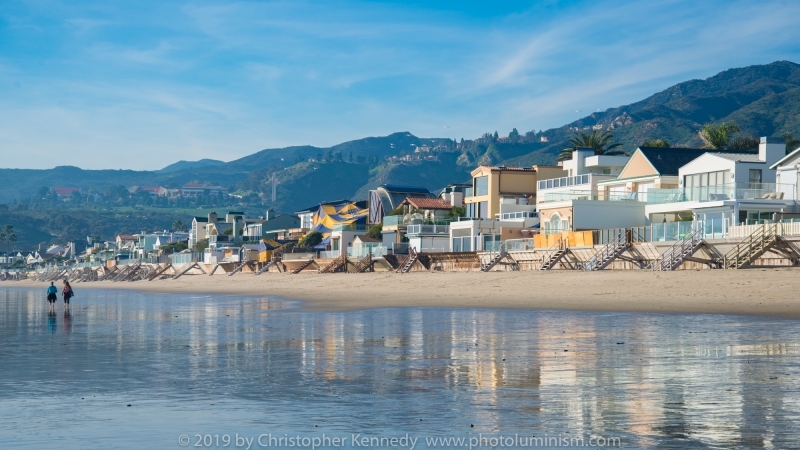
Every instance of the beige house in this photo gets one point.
(650, 168)
(492, 184)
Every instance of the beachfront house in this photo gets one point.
(516, 219)
(270, 226)
(723, 189)
(786, 175)
(576, 202)
(490, 184)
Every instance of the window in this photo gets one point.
(481, 186)
(755, 176)
(483, 210)
(706, 179)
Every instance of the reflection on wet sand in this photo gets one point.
(652, 380)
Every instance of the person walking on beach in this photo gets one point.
(67, 293)
(52, 295)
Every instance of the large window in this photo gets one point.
(707, 179)
(481, 186)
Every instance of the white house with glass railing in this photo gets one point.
(723, 189)
(515, 221)
(584, 170)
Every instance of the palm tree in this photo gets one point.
(656, 143)
(12, 238)
(601, 143)
(718, 136)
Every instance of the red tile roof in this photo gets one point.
(427, 203)
(65, 190)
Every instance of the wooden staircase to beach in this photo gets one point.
(337, 265)
(682, 249)
(753, 246)
(303, 266)
(266, 267)
(608, 253)
(365, 264)
(409, 261)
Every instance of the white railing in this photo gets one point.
(783, 229)
(428, 229)
(576, 180)
(360, 252)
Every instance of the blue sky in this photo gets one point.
(143, 84)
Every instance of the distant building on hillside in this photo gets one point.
(65, 193)
(194, 190)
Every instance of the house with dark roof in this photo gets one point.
(723, 189)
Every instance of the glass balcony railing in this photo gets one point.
(588, 195)
(428, 229)
(733, 191)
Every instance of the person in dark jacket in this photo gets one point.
(67, 293)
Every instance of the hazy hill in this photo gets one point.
(183, 165)
(763, 100)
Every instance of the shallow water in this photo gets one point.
(205, 366)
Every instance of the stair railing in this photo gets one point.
(608, 251)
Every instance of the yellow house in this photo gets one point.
(490, 185)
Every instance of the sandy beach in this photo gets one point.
(760, 291)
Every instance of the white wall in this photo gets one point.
(588, 215)
(707, 163)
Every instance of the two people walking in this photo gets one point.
(66, 293)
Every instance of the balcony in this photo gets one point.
(577, 180)
(722, 192)
(428, 229)
(589, 195)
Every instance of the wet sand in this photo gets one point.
(757, 291)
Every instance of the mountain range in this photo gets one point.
(763, 100)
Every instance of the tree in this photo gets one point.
(375, 232)
(42, 192)
(601, 143)
(792, 144)
(456, 212)
(514, 135)
(744, 143)
(656, 143)
(12, 238)
(201, 245)
(6, 232)
(495, 136)
(310, 240)
(718, 136)
(178, 226)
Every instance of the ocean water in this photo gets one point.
(139, 370)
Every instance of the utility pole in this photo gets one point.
(274, 186)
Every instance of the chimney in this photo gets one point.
(212, 217)
(270, 214)
(771, 149)
(457, 199)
